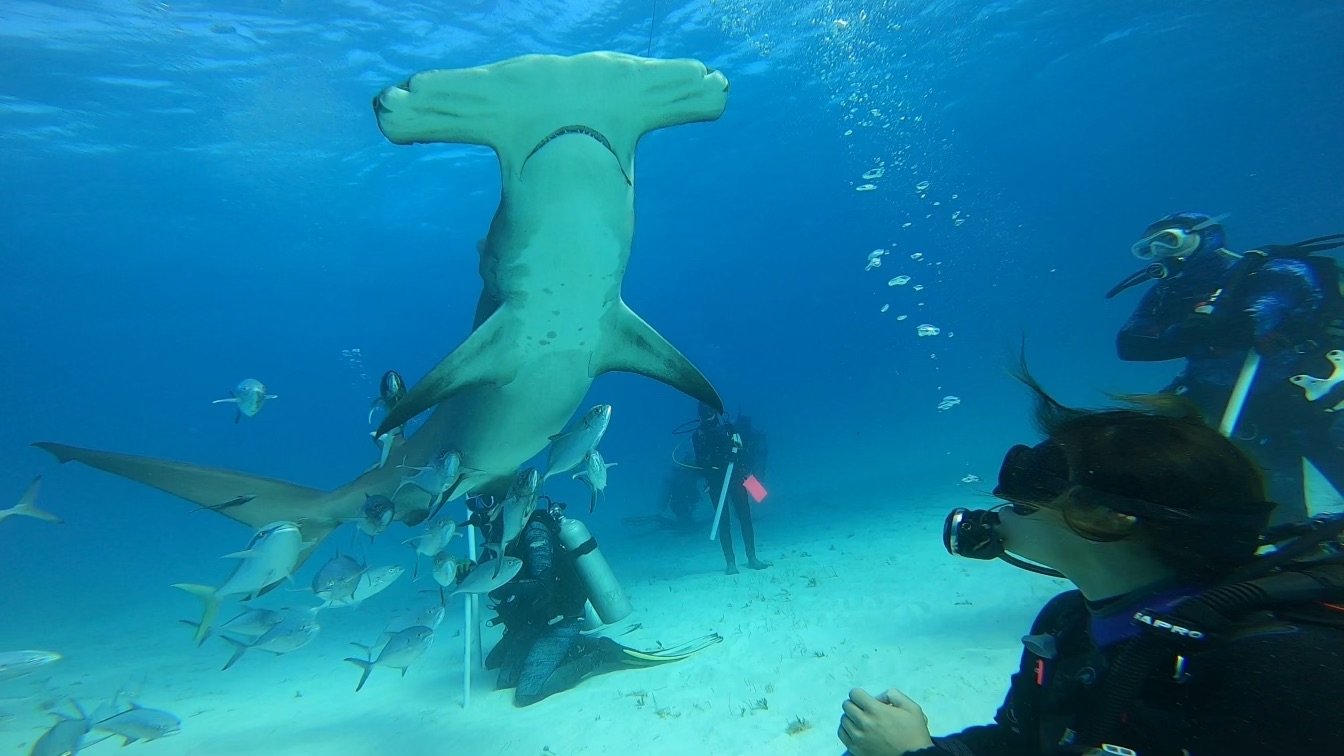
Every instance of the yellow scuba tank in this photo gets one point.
(603, 590)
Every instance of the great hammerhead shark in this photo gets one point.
(550, 317)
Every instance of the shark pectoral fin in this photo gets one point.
(474, 362)
(631, 345)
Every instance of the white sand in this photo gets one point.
(867, 598)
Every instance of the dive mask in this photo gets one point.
(1166, 243)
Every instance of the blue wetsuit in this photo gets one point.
(1280, 308)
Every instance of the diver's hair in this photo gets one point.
(1160, 451)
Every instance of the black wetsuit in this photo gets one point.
(713, 442)
(542, 651)
(1281, 308)
(1272, 687)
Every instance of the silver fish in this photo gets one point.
(249, 396)
(379, 512)
(371, 582)
(594, 473)
(435, 539)
(296, 631)
(267, 561)
(27, 506)
(64, 737)
(336, 580)
(447, 568)
(19, 663)
(485, 577)
(400, 652)
(436, 478)
(568, 449)
(250, 623)
(390, 391)
(430, 616)
(518, 507)
(138, 723)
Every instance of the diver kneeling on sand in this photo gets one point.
(1179, 638)
(543, 650)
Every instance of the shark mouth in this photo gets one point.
(587, 131)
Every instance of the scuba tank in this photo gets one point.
(603, 590)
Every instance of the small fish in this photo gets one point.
(64, 737)
(594, 473)
(249, 396)
(568, 449)
(19, 663)
(267, 561)
(336, 580)
(485, 577)
(379, 511)
(430, 616)
(138, 723)
(436, 478)
(371, 583)
(295, 631)
(517, 507)
(400, 652)
(435, 539)
(448, 568)
(27, 506)
(390, 391)
(251, 622)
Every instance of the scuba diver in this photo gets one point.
(1212, 307)
(717, 444)
(1178, 639)
(683, 492)
(543, 651)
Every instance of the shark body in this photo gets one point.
(550, 318)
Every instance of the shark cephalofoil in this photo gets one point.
(550, 318)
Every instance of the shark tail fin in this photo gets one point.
(211, 608)
(253, 500)
(631, 345)
(365, 665)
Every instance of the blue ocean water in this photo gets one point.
(195, 193)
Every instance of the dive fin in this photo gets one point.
(636, 658)
(631, 345)
(468, 365)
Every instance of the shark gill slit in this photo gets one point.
(587, 131)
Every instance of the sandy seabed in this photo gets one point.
(863, 598)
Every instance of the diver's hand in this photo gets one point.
(889, 725)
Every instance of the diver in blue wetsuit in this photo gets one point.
(1210, 305)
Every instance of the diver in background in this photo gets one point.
(717, 443)
(1211, 305)
(1178, 638)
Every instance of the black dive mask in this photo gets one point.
(1157, 271)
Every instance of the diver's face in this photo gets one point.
(1041, 536)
